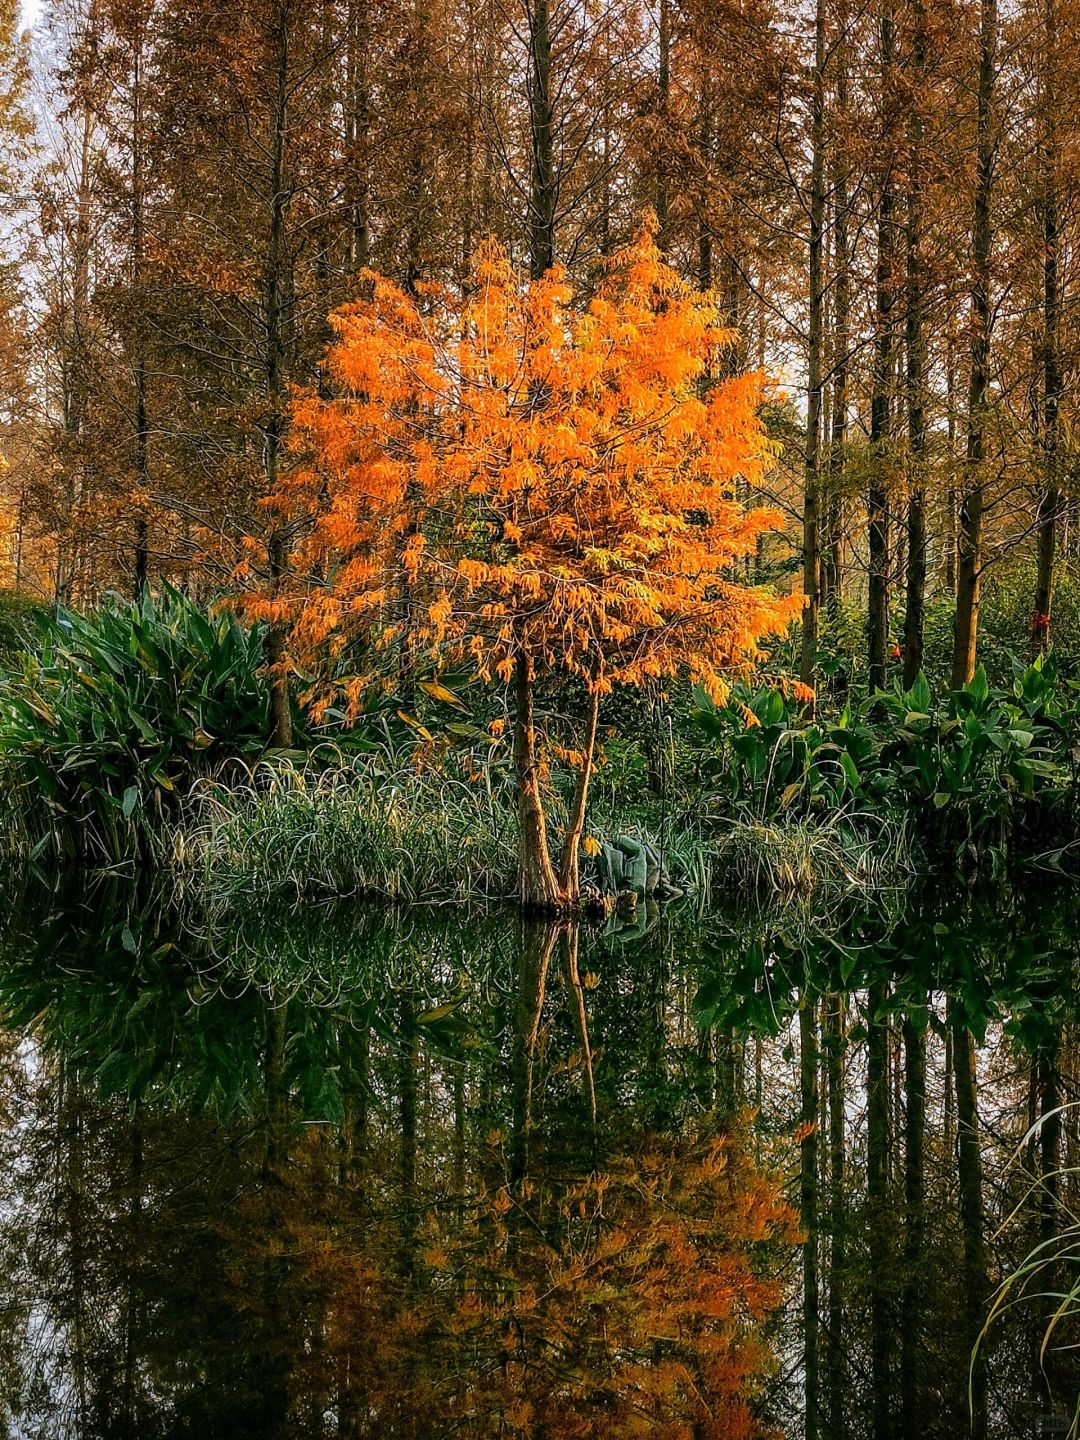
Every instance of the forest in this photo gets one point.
(539, 719)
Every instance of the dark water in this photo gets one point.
(339, 1174)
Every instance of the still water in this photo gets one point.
(345, 1174)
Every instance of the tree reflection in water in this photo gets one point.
(369, 1180)
(413, 1176)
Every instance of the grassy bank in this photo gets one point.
(447, 834)
(135, 736)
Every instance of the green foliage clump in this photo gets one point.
(970, 769)
(115, 715)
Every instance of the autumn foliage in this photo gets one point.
(537, 489)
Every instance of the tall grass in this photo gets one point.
(407, 834)
(379, 827)
(814, 861)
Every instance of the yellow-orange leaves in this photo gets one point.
(507, 476)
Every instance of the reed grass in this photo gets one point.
(811, 860)
(411, 836)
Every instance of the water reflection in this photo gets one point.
(335, 1175)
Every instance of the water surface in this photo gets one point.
(341, 1173)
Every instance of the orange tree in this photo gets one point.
(540, 490)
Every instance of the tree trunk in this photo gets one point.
(538, 886)
(915, 344)
(877, 1161)
(535, 948)
(841, 330)
(571, 857)
(663, 101)
(408, 1057)
(357, 127)
(277, 545)
(811, 497)
(972, 506)
(1050, 504)
(541, 128)
(834, 1072)
(877, 506)
(142, 448)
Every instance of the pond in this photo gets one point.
(341, 1173)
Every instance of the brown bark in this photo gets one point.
(571, 857)
(811, 557)
(538, 887)
(877, 1157)
(835, 1387)
(973, 500)
(1050, 503)
(976, 1285)
(877, 618)
(915, 344)
(914, 1221)
(274, 360)
(541, 127)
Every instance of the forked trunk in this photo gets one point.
(571, 856)
(538, 886)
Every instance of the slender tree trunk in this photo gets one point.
(569, 943)
(1050, 503)
(950, 489)
(571, 857)
(877, 620)
(808, 1207)
(535, 948)
(841, 329)
(811, 490)
(142, 447)
(542, 137)
(835, 1386)
(408, 1042)
(357, 127)
(973, 502)
(538, 885)
(75, 371)
(275, 351)
(915, 345)
(663, 103)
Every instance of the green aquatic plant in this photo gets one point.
(967, 771)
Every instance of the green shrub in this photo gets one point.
(971, 768)
(113, 718)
